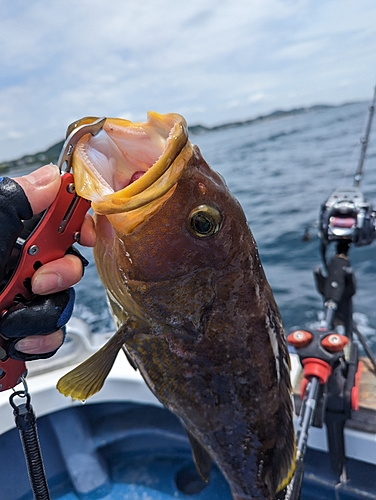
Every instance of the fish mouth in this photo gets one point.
(128, 165)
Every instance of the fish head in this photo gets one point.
(153, 193)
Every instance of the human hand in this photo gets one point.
(54, 301)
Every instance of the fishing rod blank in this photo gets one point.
(364, 140)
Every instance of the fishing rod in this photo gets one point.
(329, 390)
(330, 386)
(351, 195)
(347, 217)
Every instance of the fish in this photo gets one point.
(191, 303)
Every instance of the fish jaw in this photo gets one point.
(131, 166)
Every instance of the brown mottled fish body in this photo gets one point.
(198, 318)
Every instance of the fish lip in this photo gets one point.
(159, 140)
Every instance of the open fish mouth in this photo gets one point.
(129, 165)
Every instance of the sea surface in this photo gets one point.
(281, 170)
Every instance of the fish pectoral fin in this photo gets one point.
(88, 378)
(201, 458)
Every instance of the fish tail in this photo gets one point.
(88, 378)
(284, 459)
(290, 473)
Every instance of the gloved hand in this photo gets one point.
(37, 326)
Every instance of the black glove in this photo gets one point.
(40, 315)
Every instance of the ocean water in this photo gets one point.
(281, 170)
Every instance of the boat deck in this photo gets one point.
(367, 389)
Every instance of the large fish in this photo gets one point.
(190, 300)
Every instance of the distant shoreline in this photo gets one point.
(51, 155)
(198, 129)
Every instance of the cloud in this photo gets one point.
(211, 60)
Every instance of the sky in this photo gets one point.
(213, 61)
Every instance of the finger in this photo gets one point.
(88, 234)
(40, 344)
(57, 275)
(41, 186)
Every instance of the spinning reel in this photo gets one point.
(347, 216)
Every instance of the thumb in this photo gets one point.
(41, 186)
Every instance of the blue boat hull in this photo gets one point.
(132, 451)
(110, 451)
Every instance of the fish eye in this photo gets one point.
(204, 221)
